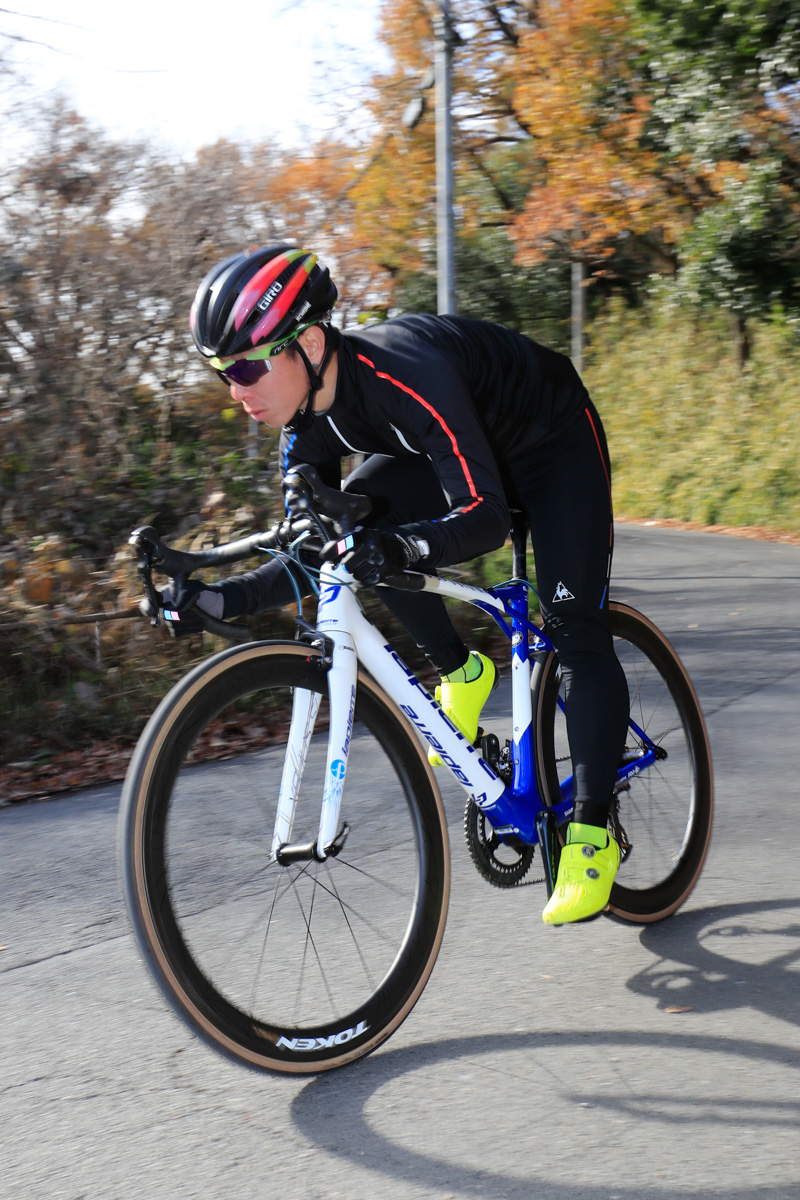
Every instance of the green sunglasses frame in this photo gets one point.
(267, 351)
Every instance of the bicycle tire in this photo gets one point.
(667, 810)
(297, 968)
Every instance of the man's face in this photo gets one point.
(277, 395)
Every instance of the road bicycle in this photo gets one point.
(290, 901)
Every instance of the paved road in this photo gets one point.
(539, 1063)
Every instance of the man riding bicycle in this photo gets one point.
(460, 421)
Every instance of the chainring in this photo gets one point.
(502, 865)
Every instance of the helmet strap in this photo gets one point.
(303, 419)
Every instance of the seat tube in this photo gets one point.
(524, 778)
(519, 546)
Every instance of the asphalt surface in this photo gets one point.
(539, 1062)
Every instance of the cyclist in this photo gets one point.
(460, 420)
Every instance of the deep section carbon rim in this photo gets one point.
(299, 967)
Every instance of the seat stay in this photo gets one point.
(648, 757)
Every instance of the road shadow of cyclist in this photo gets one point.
(726, 957)
(409, 1114)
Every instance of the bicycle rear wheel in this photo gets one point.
(294, 968)
(667, 810)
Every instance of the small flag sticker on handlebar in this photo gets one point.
(171, 614)
(346, 543)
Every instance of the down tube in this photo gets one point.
(505, 812)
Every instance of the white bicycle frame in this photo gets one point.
(341, 619)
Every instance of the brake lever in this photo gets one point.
(297, 498)
(144, 550)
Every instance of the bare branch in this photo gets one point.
(508, 31)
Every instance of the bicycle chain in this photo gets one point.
(615, 826)
(617, 829)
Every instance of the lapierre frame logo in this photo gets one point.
(481, 800)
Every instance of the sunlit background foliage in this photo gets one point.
(654, 142)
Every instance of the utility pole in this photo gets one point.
(445, 230)
(578, 313)
(441, 76)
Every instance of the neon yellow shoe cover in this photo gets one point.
(463, 702)
(583, 887)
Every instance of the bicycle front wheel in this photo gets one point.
(294, 968)
(665, 811)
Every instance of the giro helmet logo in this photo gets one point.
(269, 296)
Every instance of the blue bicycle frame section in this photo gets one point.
(511, 808)
(527, 641)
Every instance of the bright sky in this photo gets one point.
(186, 72)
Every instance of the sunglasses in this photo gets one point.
(247, 371)
(244, 371)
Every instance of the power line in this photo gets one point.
(11, 12)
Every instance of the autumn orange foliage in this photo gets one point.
(583, 97)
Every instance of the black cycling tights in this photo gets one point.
(564, 487)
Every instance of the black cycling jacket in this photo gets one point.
(475, 397)
(472, 396)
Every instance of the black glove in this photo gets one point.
(192, 594)
(371, 555)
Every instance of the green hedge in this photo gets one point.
(693, 434)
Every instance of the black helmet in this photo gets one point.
(266, 295)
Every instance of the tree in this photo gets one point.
(664, 139)
(724, 120)
(66, 337)
(583, 93)
(394, 191)
(102, 393)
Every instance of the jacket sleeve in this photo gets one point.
(275, 584)
(435, 410)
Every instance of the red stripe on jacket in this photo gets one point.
(409, 391)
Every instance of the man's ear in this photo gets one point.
(313, 342)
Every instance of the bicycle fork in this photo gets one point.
(342, 674)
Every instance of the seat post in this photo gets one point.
(519, 544)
